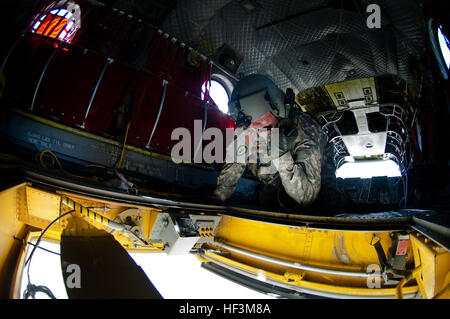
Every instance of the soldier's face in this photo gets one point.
(264, 124)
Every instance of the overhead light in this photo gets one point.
(368, 169)
(444, 45)
(60, 23)
(440, 46)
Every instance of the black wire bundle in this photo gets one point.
(31, 289)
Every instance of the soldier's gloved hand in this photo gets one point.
(217, 197)
(287, 136)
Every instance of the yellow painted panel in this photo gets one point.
(349, 250)
(304, 283)
(10, 227)
(317, 247)
(43, 204)
(8, 222)
(435, 263)
(351, 91)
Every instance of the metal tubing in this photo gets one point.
(92, 215)
(399, 287)
(161, 105)
(309, 291)
(291, 264)
(11, 50)
(108, 62)
(41, 77)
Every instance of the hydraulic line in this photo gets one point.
(123, 228)
(291, 264)
(399, 288)
(92, 215)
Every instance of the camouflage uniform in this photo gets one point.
(298, 171)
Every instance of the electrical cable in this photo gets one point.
(31, 289)
(33, 244)
(143, 190)
(123, 147)
(95, 165)
(60, 166)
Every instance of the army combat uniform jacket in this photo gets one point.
(298, 172)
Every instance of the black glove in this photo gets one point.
(216, 198)
(288, 136)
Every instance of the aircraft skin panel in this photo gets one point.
(329, 262)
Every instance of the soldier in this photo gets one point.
(258, 104)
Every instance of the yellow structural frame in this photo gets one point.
(26, 208)
(299, 280)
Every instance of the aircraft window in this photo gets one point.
(445, 46)
(440, 46)
(58, 24)
(218, 94)
(164, 272)
(368, 169)
(45, 269)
